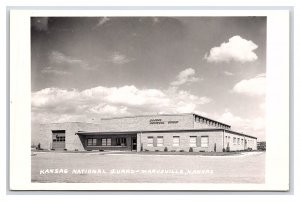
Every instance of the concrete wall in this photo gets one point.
(214, 137)
(72, 141)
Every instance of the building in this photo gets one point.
(162, 132)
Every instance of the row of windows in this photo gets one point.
(235, 140)
(209, 122)
(176, 141)
(106, 141)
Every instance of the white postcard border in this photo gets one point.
(277, 107)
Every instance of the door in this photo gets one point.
(58, 139)
(133, 144)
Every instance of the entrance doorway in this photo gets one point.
(133, 144)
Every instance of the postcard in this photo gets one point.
(149, 100)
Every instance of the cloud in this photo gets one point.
(185, 76)
(61, 64)
(252, 87)
(58, 57)
(51, 70)
(228, 73)
(109, 101)
(237, 49)
(251, 126)
(102, 21)
(119, 59)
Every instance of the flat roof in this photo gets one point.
(145, 115)
(72, 122)
(148, 115)
(157, 131)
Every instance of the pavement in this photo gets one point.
(108, 167)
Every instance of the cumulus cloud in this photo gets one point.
(236, 49)
(253, 87)
(119, 59)
(251, 126)
(109, 101)
(185, 76)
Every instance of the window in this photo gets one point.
(176, 141)
(121, 141)
(242, 141)
(226, 139)
(204, 141)
(59, 139)
(234, 140)
(238, 140)
(197, 119)
(58, 135)
(193, 140)
(160, 141)
(150, 141)
(91, 142)
(106, 141)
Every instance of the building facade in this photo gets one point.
(164, 132)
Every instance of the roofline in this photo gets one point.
(179, 114)
(70, 122)
(159, 131)
(211, 119)
(235, 132)
(146, 115)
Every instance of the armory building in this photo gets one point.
(165, 132)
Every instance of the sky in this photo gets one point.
(86, 68)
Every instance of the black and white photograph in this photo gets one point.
(148, 99)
